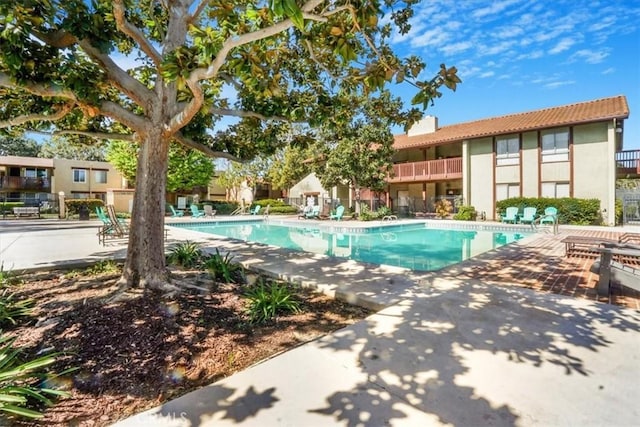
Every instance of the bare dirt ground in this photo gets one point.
(143, 350)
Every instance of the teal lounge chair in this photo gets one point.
(338, 215)
(175, 213)
(550, 216)
(511, 215)
(195, 212)
(528, 215)
(255, 210)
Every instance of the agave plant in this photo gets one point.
(267, 300)
(22, 383)
(223, 268)
(10, 308)
(186, 254)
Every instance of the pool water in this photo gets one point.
(411, 246)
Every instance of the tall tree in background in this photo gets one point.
(358, 150)
(290, 165)
(187, 168)
(18, 146)
(287, 60)
(67, 147)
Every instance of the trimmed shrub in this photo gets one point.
(570, 210)
(73, 205)
(465, 213)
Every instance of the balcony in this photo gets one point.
(628, 163)
(20, 183)
(429, 170)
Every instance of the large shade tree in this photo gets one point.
(18, 146)
(61, 71)
(71, 147)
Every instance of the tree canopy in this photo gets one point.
(187, 168)
(18, 146)
(63, 71)
(68, 147)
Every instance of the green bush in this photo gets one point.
(186, 254)
(12, 308)
(619, 212)
(222, 208)
(466, 213)
(267, 300)
(366, 214)
(73, 205)
(223, 268)
(443, 208)
(23, 383)
(570, 210)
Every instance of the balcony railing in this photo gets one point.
(628, 161)
(17, 183)
(429, 170)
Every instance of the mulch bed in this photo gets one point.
(144, 349)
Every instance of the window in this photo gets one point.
(555, 190)
(507, 191)
(100, 177)
(555, 145)
(508, 151)
(79, 175)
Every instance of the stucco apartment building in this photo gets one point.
(32, 179)
(565, 151)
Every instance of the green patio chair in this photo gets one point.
(338, 215)
(550, 216)
(255, 210)
(528, 215)
(511, 215)
(195, 212)
(175, 213)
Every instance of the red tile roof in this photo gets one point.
(584, 112)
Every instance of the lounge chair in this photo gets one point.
(255, 210)
(209, 212)
(528, 215)
(338, 215)
(175, 213)
(511, 215)
(315, 212)
(550, 216)
(620, 271)
(195, 212)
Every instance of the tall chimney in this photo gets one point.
(429, 124)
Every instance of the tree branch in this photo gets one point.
(99, 135)
(37, 89)
(240, 113)
(37, 117)
(59, 38)
(187, 142)
(122, 115)
(123, 81)
(135, 33)
(196, 13)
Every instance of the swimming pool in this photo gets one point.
(414, 246)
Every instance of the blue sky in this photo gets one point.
(521, 55)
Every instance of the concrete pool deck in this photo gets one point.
(467, 345)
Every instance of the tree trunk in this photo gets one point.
(145, 265)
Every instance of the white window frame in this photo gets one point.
(509, 156)
(557, 138)
(555, 190)
(511, 190)
(76, 178)
(100, 173)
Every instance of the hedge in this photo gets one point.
(570, 210)
(73, 205)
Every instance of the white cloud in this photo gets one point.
(534, 54)
(562, 45)
(554, 85)
(589, 56)
(494, 9)
(609, 70)
(455, 48)
(433, 37)
(487, 74)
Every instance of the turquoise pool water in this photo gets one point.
(412, 246)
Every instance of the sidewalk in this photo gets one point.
(463, 346)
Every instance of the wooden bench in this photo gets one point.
(584, 245)
(26, 211)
